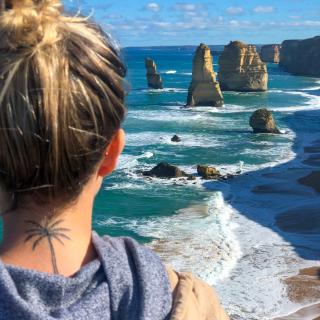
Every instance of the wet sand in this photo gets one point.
(308, 313)
(305, 287)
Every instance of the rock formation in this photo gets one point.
(208, 173)
(262, 121)
(241, 69)
(301, 57)
(270, 53)
(167, 171)
(153, 77)
(176, 138)
(204, 90)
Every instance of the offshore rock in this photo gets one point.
(241, 69)
(176, 138)
(270, 53)
(262, 121)
(153, 77)
(204, 90)
(208, 173)
(165, 170)
(301, 57)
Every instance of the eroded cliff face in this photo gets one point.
(301, 57)
(204, 90)
(241, 69)
(270, 53)
(153, 77)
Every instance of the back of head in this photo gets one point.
(61, 98)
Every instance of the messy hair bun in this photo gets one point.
(61, 98)
(25, 23)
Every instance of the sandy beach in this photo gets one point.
(304, 288)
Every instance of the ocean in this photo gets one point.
(221, 231)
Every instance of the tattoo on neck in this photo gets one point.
(50, 231)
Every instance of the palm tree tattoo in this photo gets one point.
(48, 231)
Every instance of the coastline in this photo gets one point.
(289, 224)
(305, 286)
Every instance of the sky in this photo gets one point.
(165, 22)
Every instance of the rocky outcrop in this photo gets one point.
(262, 121)
(176, 138)
(301, 57)
(165, 170)
(241, 69)
(153, 77)
(208, 173)
(204, 90)
(270, 53)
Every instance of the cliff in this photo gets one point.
(270, 53)
(241, 69)
(153, 77)
(301, 57)
(204, 90)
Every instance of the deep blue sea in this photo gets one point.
(197, 225)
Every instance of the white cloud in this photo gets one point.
(262, 9)
(182, 6)
(234, 10)
(152, 6)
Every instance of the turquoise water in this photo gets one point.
(220, 231)
(216, 137)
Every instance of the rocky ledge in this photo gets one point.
(165, 170)
(262, 121)
(153, 77)
(208, 173)
(204, 90)
(270, 53)
(301, 57)
(241, 69)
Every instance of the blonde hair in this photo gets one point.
(61, 98)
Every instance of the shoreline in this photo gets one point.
(295, 194)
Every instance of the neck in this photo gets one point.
(40, 238)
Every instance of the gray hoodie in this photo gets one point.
(128, 281)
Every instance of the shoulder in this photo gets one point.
(193, 298)
(136, 255)
(137, 272)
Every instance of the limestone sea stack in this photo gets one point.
(270, 53)
(241, 69)
(153, 77)
(301, 57)
(262, 121)
(204, 90)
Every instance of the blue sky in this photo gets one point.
(164, 22)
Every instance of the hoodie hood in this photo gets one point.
(127, 281)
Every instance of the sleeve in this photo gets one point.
(194, 299)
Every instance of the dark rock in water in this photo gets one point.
(166, 171)
(204, 89)
(311, 180)
(270, 53)
(153, 77)
(176, 138)
(301, 220)
(262, 121)
(301, 57)
(208, 173)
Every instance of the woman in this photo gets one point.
(61, 109)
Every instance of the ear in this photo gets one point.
(112, 154)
